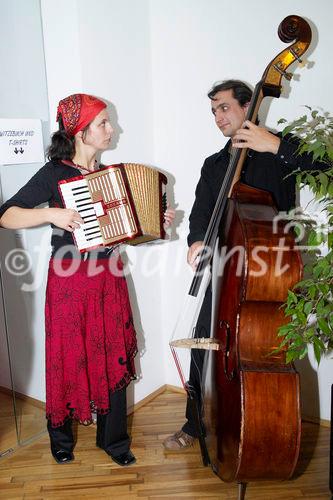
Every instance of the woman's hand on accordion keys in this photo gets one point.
(169, 216)
(65, 218)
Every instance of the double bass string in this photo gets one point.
(198, 285)
(213, 227)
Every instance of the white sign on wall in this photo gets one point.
(21, 141)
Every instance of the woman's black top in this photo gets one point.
(43, 188)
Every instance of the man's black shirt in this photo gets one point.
(261, 170)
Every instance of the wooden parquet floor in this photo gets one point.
(30, 421)
(31, 473)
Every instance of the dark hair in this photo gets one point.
(240, 90)
(62, 146)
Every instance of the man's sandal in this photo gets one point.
(178, 441)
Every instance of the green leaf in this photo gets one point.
(292, 298)
(331, 322)
(303, 352)
(318, 341)
(323, 180)
(300, 304)
(330, 240)
(324, 288)
(312, 291)
(324, 326)
(315, 238)
(301, 317)
(299, 121)
(299, 178)
(307, 308)
(290, 356)
(303, 283)
(284, 329)
(310, 333)
(322, 268)
(311, 181)
(324, 307)
(287, 130)
(319, 151)
(317, 352)
(330, 189)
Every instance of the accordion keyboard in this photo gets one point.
(77, 197)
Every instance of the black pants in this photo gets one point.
(111, 429)
(202, 329)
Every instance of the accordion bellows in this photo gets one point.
(147, 186)
(118, 203)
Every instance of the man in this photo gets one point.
(269, 160)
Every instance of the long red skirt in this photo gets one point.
(90, 339)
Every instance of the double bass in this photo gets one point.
(251, 395)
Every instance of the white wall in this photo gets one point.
(23, 94)
(154, 61)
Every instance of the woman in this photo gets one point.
(90, 338)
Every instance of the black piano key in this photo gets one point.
(87, 217)
(89, 230)
(96, 234)
(80, 204)
(84, 189)
(84, 209)
(90, 239)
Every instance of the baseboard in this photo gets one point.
(175, 388)
(316, 420)
(131, 409)
(23, 397)
(153, 395)
(146, 400)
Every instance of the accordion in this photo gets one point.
(118, 203)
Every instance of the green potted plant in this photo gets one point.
(309, 305)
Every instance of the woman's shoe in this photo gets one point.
(62, 456)
(124, 459)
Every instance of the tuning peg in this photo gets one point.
(296, 56)
(283, 72)
(287, 75)
(302, 62)
(305, 63)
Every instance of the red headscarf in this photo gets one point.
(78, 110)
